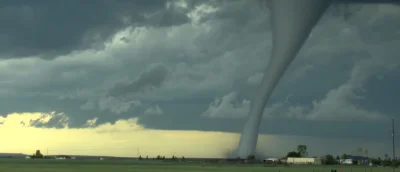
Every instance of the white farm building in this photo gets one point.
(271, 160)
(291, 160)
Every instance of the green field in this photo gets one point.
(40, 165)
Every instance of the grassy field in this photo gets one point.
(31, 165)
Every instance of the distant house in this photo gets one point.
(356, 160)
(292, 160)
(271, 160)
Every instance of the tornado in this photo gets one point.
(291, 21)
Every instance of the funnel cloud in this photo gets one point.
(292, 21)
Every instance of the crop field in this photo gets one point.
(40, 165)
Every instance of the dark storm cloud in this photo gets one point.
(52, 27)
(235, 28)
(350, 129)
(313, 85)
(384, 29)
(151, 78)
(367, 1)
(378, 93)
(236, 14)
(58, 120)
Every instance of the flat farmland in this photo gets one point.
(40, 165)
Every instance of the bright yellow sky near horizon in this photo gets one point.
(126, 137)
(123, 138)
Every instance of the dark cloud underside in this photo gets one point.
(48, 28)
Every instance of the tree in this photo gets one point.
(293, 154)
(140, 157)
(376, 161)
(37, 154)
(344, 156)
(251, 157)
(302, 150)
(386, 161)
(329, 160)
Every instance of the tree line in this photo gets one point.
(159, 157)
(300, 152)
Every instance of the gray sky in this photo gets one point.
(194, 65)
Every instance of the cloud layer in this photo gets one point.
(195, 65)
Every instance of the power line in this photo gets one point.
(394, 149)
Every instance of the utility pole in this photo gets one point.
(47, 151)
(393, 149)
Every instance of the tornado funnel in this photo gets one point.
(292, 22)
